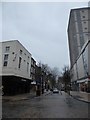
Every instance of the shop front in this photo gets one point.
(84, 85)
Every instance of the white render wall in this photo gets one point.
(13, 60)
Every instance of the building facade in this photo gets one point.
(16, 65)
(78, 31)
(79, 45)
(33, 68)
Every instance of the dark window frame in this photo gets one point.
(19, 64)
(7, 48)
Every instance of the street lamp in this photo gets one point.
(42, 81)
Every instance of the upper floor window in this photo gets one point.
(83, 11)
(5, 63)
(27, 66)
(20, 51)
(7, 48)
(19, 65)
(5, 59)
(84, 22)
(13, 53)
(83, 16)
(6, 56)
(25, 54)
(85, 28)
(28, 57)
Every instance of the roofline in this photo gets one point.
(71, 10)
(18, 42)
(33, 59)
(80, 8)
(11, 40)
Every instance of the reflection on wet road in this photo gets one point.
(50, 106)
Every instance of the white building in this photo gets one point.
(15, 67)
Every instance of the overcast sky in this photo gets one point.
(41, 28)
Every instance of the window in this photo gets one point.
(5, 63)
(83, 16)
(19, 65)
(7, 48)
(28, 57)
(82, 11)
(20, 51)
(84, 22)
(6, 56)
(86, 34)
(13, 53)
(5, 59)
(85, 28)
(27, 66)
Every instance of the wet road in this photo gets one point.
(49, 106)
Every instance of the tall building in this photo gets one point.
(15, 67)
(78, 31)
(79, 46)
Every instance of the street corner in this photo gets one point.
(17, 97)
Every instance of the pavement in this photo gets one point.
(83, 96)
(25, 96)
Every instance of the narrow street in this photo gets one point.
(49, 106)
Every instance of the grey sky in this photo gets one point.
(41, 28)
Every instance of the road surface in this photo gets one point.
(49, 106)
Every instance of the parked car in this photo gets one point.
(55, 90)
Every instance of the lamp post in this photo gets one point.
(38, 81)
(43, 80)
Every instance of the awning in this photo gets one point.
(84, 80)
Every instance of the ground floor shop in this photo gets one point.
(81, 85)
(15, 85)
